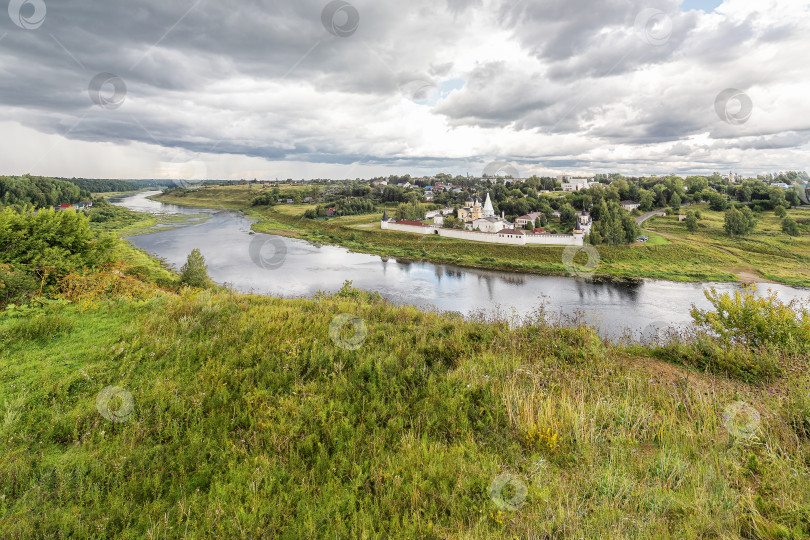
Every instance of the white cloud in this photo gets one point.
(264, 91)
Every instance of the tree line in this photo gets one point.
(39, 192)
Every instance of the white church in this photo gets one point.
(482, 218)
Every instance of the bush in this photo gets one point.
(756, 322)
(15, 284)
(50, 245)
(790, 227)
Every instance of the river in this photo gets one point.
(289, 267)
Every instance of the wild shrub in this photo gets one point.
(15, 284)
(89, 287)
(756, 322)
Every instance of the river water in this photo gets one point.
(288, 267)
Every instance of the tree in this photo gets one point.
(691, 221)
(737, 223)
(790, 227)
(567, 215)
(412, 211)
(451, 222)
(646, 201)
(195, 273)
(716, 201)
(675, 202)
(780, 211)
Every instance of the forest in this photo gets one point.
(39, 191)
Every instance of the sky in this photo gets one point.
(308, 89)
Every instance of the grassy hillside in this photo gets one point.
(259, 417)
(707, 255)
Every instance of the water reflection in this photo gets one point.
(305, 268)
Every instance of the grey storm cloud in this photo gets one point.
(267, 78)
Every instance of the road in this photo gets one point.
(644, 217)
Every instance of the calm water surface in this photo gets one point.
(279, 266)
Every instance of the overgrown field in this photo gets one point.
(707, 255)
(240, 416)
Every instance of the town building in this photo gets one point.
(524, 220)
(630, 205)
(574, 183)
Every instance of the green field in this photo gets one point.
(674, 254)
(248, 420)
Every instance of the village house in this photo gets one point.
(630, 205)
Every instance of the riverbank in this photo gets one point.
(764, 256)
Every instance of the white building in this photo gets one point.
(630, 205)
(574, 183)
(490, 224)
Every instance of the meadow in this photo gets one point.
(244, 416)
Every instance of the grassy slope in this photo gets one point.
(707, 256)
(249, 421)
(768, 251)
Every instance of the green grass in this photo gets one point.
(250, 421)
(767, 251)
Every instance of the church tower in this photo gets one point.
(488, 210)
